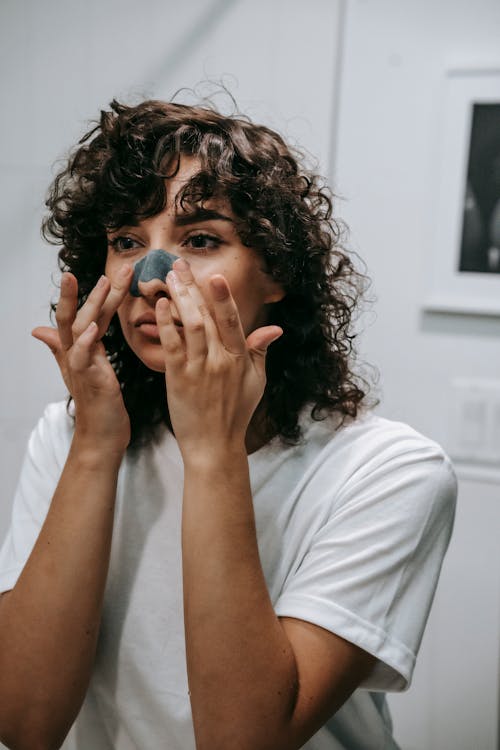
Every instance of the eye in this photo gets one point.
(201, 241)
(122, 243)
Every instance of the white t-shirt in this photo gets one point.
(352, 528)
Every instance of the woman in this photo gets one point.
(218, 545)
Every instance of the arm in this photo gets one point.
(256, 682)
(49, 621)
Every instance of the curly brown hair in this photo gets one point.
(116, 176)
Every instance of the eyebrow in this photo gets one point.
(200, 214)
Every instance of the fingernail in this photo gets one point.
(162, 305)
(101, 282)
(181, 264)
(124, 271)
(219, 287)
(173, 278)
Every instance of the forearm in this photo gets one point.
(49, 622)
(241, 668)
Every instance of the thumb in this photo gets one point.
(50, 337)
(259, 341)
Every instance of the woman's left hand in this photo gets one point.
(215, 376)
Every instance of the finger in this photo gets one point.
(66, 309)
(91, 309)
(259, 340)
(183, 269)
(169, 336)
(192, 316)
(83, 349)
(120, 286)
(258, 343)
(226, 316)
(50, 337)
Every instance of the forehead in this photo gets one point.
(189, 166)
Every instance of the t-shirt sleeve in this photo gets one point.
(40, 472)
(371, 570)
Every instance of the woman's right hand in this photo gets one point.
(101, 420)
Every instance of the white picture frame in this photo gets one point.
(452, 290)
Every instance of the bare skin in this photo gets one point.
(48, 633)
(291, 675)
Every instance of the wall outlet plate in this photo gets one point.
(474, 426)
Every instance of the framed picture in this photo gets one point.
(465, 260)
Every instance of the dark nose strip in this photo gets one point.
(155, 265)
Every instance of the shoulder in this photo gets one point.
(53, 432)
(58, 413)
(57, 417)
(371, 438)
(373, 454)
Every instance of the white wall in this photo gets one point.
(60, 62)
(395, 55)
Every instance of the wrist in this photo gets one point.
(95, 454)
(215, 455)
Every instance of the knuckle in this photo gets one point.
(62, 315)
(195, 325)
(216, 366)
(231, 320)
(115, 290)
(118, 288)
(171, 347)
(74, 362)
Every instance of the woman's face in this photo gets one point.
(209, 241)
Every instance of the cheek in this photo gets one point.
(122, 313)
(243, 280)
(112, 267)
(108, 267)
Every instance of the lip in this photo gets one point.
(148, 321)
(150, 330)
(148, 318)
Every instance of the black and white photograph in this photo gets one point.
(250, 382)
(464, 252)
(480, 246)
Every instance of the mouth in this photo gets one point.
(147, 325)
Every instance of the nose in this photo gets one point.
(153, 267)
(153, 289)
(150, 272)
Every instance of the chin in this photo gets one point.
(157, 364)
(151, 356)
